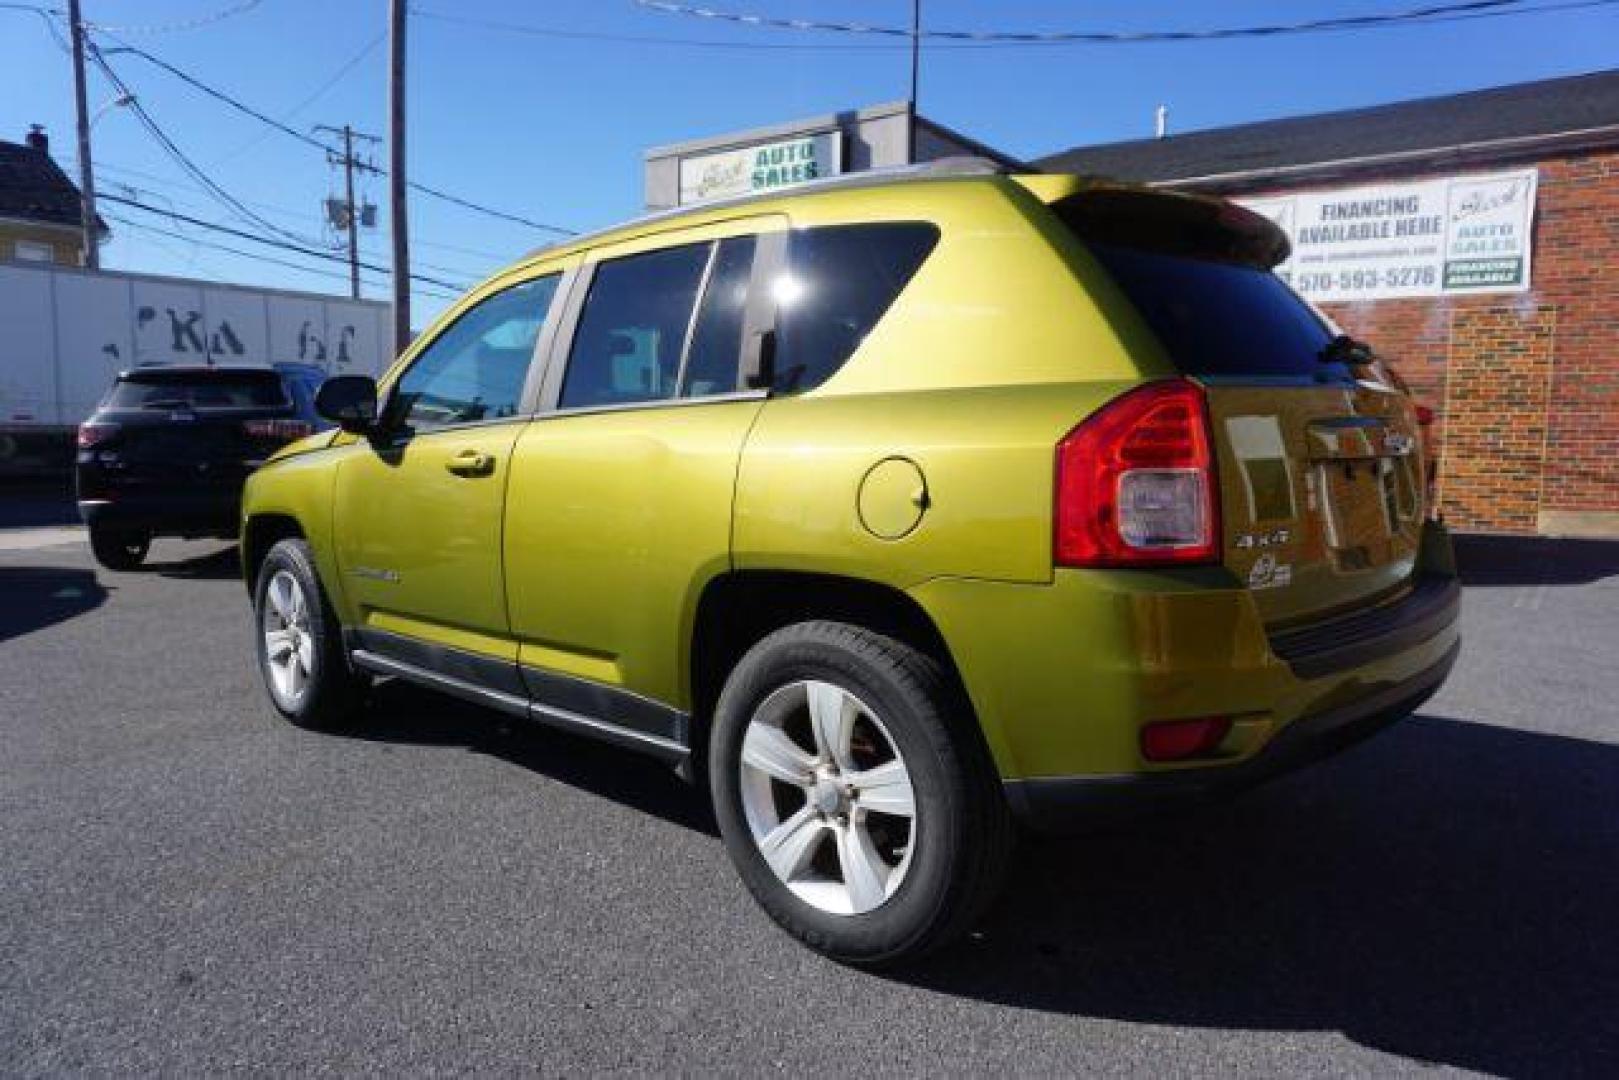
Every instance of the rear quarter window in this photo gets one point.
(841, 280)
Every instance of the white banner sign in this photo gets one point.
(760, 168)
(1457, 235)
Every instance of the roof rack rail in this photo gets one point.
(955, 165)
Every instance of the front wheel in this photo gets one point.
(119, 549)
(853, 800)
(300, 645)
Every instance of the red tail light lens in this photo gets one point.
(1178, 740)
(1425, 416)
(1136, 484)
(93, 435)
(285, 430)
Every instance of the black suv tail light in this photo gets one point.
(93, 435)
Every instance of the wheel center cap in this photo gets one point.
(826, 797)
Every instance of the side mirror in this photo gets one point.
(349, 401)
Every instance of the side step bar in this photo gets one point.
(667, 750)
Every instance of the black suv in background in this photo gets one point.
(168, 449)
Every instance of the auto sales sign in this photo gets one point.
(761, 167)
(1451, 236)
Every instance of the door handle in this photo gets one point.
(471, 463)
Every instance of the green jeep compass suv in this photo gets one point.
(895, 509)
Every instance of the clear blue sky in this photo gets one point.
(553, 128)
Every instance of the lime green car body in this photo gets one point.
(617, 551)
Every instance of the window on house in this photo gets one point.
(33, 251)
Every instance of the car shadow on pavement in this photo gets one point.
(34, 597)
(1449, 892)
(221, 565)
(401, 713)
(1486, 561)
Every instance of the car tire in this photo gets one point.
(300, 643)
(848, 872)
(119, 549)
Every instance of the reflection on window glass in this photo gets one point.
(475, 370)
(841, 281)
(630, 336)
(716, 342)
(222, 389)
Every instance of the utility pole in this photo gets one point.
(396, 171)
(87, 179)
(351, 214)
(916, 70)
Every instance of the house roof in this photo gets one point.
(34, 188)
(1521, 114)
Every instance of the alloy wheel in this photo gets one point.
(289, 648)
(827, 797)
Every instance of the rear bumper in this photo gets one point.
(1064, 676)
(201, 514)
(1061, 803)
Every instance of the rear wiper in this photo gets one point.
(1344, 349)
(168, 403)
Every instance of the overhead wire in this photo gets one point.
(1459, 9)
(241, 234)
(311, 141)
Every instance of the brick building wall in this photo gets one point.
(1526, 385)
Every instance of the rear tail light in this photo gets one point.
(1178, 740)
(285, 430)
(1425, 416)
(93, 435)
(1136, 484)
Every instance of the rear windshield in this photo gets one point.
(1198, 271)
(1221, 318)
(198, 390)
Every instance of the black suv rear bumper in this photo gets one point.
(195, 514)
(1064, 803)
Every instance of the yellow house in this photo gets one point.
(39, 205)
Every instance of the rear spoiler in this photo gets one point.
(1127, 215)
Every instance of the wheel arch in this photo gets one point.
(260, 533)
(738, 608)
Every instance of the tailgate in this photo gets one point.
(1317, 453)
(1321, 494)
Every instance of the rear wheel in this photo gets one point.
(855, 807)
(300, 643)
(119, 549)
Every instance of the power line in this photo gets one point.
(308, 140)
(639, 39)
(183, 24)
(254, 255)
(315, 95)
(1465, 9)
(313, 253)
(190, 167)
(302, 215)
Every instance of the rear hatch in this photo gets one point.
(1317, 451)
(198, 427)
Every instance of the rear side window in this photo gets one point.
(840, 282)
(1221, 318)
(633, 329)
(199, 391)
(716, 339)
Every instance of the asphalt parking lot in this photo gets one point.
(188, 884)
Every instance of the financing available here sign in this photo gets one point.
(1451, 236)
(760, 167)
